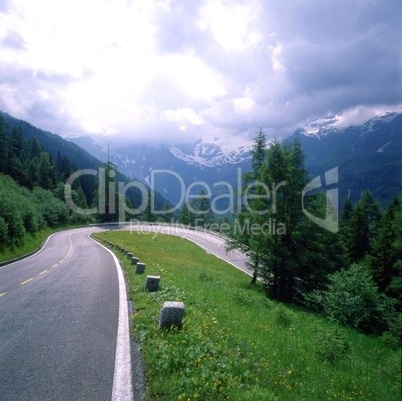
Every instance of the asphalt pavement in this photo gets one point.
(59, 312)
(64, 331)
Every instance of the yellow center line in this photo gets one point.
(68, 254)
(26, 281)
(45, 271)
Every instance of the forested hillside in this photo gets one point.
(34, 168)
(32, 187)
(62, 150)
(53, 144)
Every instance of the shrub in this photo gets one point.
(314, 300)
(11, 214)
(331, 345)
(390, 340)
(283, 316)
(353, 300)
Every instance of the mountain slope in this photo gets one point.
(54, 143)
(82, 159)
(369, 156)
(174, 170)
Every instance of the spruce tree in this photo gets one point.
(252, 209)
(46, 171)
(286, 174)
(297, 257)
(184, 215)
(148, 215)
(344, 221)
(373, 212)
(361, 227)
(106, 196)
(384, 255)
(395, 287)
(274, 174)
(200, 207)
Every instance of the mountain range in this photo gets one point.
(368, 156)
(172, 170)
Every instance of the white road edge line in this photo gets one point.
(122, 386)
(217, 256)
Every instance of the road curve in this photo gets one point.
(211, 242)
(64, 319)
(59, 315)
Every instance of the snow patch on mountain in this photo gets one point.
(322, 127)
(211, 154)
(375, 123)
(381, 150)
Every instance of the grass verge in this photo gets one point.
(235, 343)
(30, 244)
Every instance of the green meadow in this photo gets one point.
(235, 343)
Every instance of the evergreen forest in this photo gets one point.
(33, 189)
(352, 274)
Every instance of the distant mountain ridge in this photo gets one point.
(172, 169)
(369, 156)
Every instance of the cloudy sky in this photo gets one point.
(175, 69)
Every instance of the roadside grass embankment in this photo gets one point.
(30, 243)
(235, 343)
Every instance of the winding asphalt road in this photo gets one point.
(64, 319)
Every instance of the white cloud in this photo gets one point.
(181, 116)
(191, 76)
(231, 24)
(359, 115)
(243, 104)
(275, 52)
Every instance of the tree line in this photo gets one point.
(353, 275)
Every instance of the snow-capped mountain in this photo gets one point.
(173, 169)
(369, 156)
(211, 154)
(322, 127)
